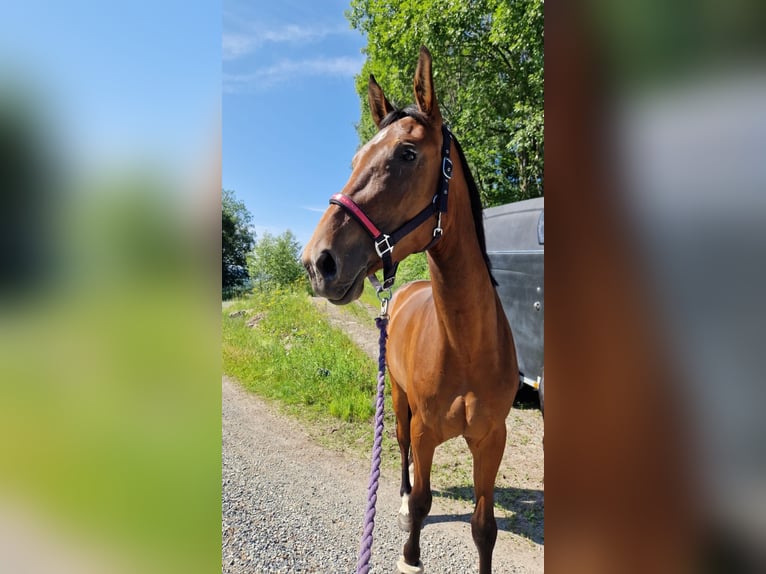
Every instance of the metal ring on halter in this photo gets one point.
(447, 168)
(438, 229)
(384, 296)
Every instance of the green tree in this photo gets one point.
(274, 261)
(488, 71)
(236, 241)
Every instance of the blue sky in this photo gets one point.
(289, 108)
(131, 82)
(119, 81)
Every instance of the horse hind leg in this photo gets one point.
(487, 455)
(403, 417)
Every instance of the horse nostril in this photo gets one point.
(326, 266)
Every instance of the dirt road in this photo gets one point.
(290, 505)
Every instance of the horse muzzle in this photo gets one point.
(330, 280)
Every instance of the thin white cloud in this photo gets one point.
(313, 209)
(239, 44)
(298, 33)
(236, 45)
(285, 70)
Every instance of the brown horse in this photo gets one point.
(451, 356)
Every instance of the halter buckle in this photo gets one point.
(383, 246)
(438, 229)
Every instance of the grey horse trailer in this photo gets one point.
(515, 235)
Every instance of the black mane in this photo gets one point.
(473, 191)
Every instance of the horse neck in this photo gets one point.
(463, 293)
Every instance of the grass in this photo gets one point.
(279, 346)
(366, 308)
(369, 296)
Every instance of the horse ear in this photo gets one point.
(424, 85)
(380, 107)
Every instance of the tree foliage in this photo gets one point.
(236, 241)
(274, 261)
(488, 72)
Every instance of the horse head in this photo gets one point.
(391, 188)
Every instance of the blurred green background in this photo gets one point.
(110, 432)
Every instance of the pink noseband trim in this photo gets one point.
(349, 204)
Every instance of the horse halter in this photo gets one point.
(384, 242)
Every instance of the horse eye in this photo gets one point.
(408, 154)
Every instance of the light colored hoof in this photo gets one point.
(405, 522)
(405, 568)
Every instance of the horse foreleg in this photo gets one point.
(487, 454)
(423, 446)
(403, 416)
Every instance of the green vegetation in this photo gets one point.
(413, 268)
(279, 346)
(111, 426)
(368, 298)
(274, 261)
(236, 241)
(488, 71)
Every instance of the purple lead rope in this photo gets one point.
(365, 546)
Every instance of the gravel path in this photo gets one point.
(290, 505)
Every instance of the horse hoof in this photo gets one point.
(405, 568)
(405, 522)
